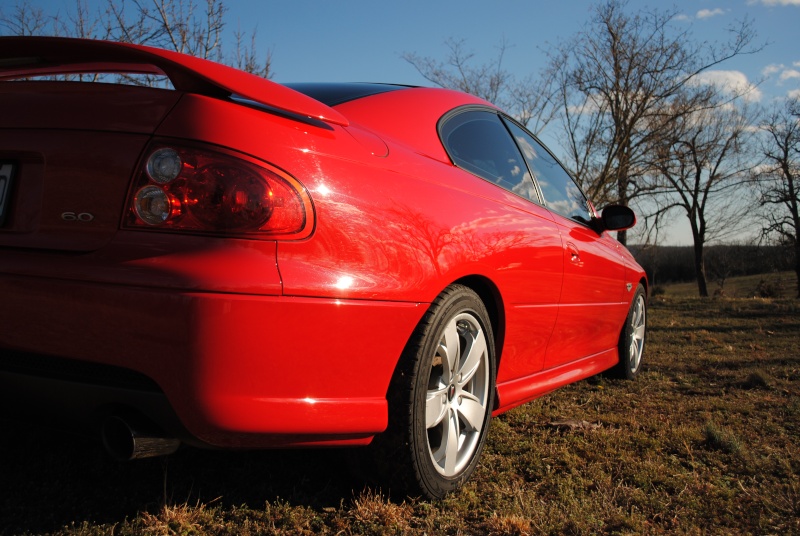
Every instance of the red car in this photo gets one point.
(234, 263)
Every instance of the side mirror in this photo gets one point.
(617, 218)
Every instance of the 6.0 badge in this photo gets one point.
(77, 216)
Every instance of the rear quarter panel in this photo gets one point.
(400, 227)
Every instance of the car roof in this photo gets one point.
(406, 114)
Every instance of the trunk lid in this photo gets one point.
(68, 151)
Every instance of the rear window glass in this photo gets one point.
(478, 142)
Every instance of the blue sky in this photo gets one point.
(363, 40)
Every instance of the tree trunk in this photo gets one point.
(700, 268)
(797, 263)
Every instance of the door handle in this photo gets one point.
(574, 254)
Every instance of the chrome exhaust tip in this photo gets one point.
(128, 439)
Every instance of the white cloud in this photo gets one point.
(708, 13)
(789, 74)
(781, 2)
(682, 17)
(794, 94)
(785, 73)
(732, 82)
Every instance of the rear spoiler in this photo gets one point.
(45, 56)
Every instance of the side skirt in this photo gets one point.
(516, 392)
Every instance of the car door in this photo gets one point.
(593, 290)
(529, 267)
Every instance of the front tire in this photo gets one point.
(443, 396)
(632, 338)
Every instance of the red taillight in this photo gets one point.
(228, 197)
(209, 191)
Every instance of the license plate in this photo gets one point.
(6, 175)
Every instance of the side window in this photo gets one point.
(559, 190)
(479, 142)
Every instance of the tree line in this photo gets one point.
(675, 264)
(640, 118)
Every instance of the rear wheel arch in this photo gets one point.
(492, 299)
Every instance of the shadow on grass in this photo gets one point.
(51, 480)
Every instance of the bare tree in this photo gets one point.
(528, 100)
(616, 80)
(246, 57)
(725, 261)
(701, 166)
(171, 24)
(195, 27)
(777, 181)
(24, 19)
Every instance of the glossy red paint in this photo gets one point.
(259, 342)
(239, 370)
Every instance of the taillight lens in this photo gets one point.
(209, 191)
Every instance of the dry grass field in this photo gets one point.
(704, 442)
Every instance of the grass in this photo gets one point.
(703, 442)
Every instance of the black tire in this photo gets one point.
(444, 387)
(632, 338)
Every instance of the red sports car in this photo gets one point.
(232, 263)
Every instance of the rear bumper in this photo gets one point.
(228, 370)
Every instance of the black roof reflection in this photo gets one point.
(333, 93)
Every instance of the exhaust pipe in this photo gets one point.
(131, 439)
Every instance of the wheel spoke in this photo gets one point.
(439, 452)
(435, 407)
(451, 444)
(638, 333)
(474, 358)
(638, 317)
(635, 355)
(472, 412)
(452, 351)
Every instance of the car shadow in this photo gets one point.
(52, 479)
